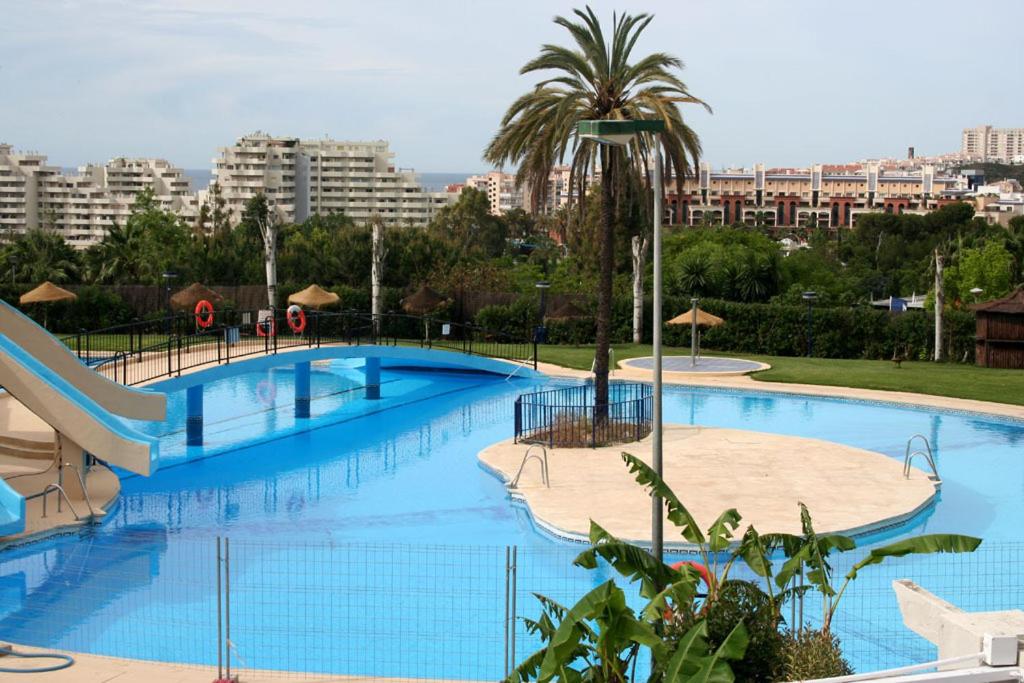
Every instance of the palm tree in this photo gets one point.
(597, 80)
(42, 254)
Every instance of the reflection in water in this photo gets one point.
(55, 591)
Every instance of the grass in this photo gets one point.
(938, 379)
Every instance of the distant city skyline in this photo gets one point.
(790, 85)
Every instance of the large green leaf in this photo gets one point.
(607, 601)
(631, 561)
(813, 553)
(674, 595)
(754, 552)
(715, 669)
(677, 512)
(690, 652)
(720, 531)
(919, 545)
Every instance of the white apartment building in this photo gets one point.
(359, 179)
(261, 163)
(301, 178)
(82, 207)
(504, 195)
(985, 143)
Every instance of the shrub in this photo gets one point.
(743, 601)
(811, 654)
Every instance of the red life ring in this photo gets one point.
(296, 318)
(266, 327)
(702, 570)
(204, 313)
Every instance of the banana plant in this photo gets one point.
(600, 638)
(709, 545)
(812, 551)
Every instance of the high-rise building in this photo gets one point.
(985, 143)
(82, 207)
(359, 179)
(259, 163)
(504, 195)
(301, 178)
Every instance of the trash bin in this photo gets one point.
(232, 335)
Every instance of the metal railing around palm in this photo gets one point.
(570, 416)
(147, 350)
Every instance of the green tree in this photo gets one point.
(597, 80)
(43, 254)
(469, 228)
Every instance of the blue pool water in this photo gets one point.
(367, 539)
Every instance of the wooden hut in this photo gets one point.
(999, 336)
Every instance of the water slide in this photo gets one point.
(79, 403)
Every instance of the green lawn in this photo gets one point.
(940, 379)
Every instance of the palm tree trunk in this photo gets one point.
(604, 287)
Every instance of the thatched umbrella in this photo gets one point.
(423, 301)
(46, 293)
(567, 311)
(704, 319)
(695, 318)
(186, 299)
(314, 296)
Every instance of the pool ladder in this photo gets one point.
(542, 459)
(909, 454)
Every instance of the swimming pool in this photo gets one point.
(374, 544)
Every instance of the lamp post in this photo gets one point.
(539, 334)
(693, 332)
(810, 298)
(14, 262)
(620, 133)
(976, 291)
(168, 276)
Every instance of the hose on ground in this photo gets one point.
(7, 651)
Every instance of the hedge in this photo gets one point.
(769, 329)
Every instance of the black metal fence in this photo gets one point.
(570, 417)
(146, 350)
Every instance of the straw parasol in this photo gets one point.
(46, 293)
(314, 296)
(567, 311)
(423, 301)
(704, 319)
(696, 318)
(187, 298)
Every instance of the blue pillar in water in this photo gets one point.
(373, 378)
(302, 389)
(194, 415)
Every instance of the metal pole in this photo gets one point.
(512, 644)
(656, 504)
(220, 631)
(693, 332)
(508, 568)
(227, 604)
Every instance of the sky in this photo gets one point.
(791, 82)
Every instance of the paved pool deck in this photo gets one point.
(97, 669)
(711, 365)
(764, 476)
